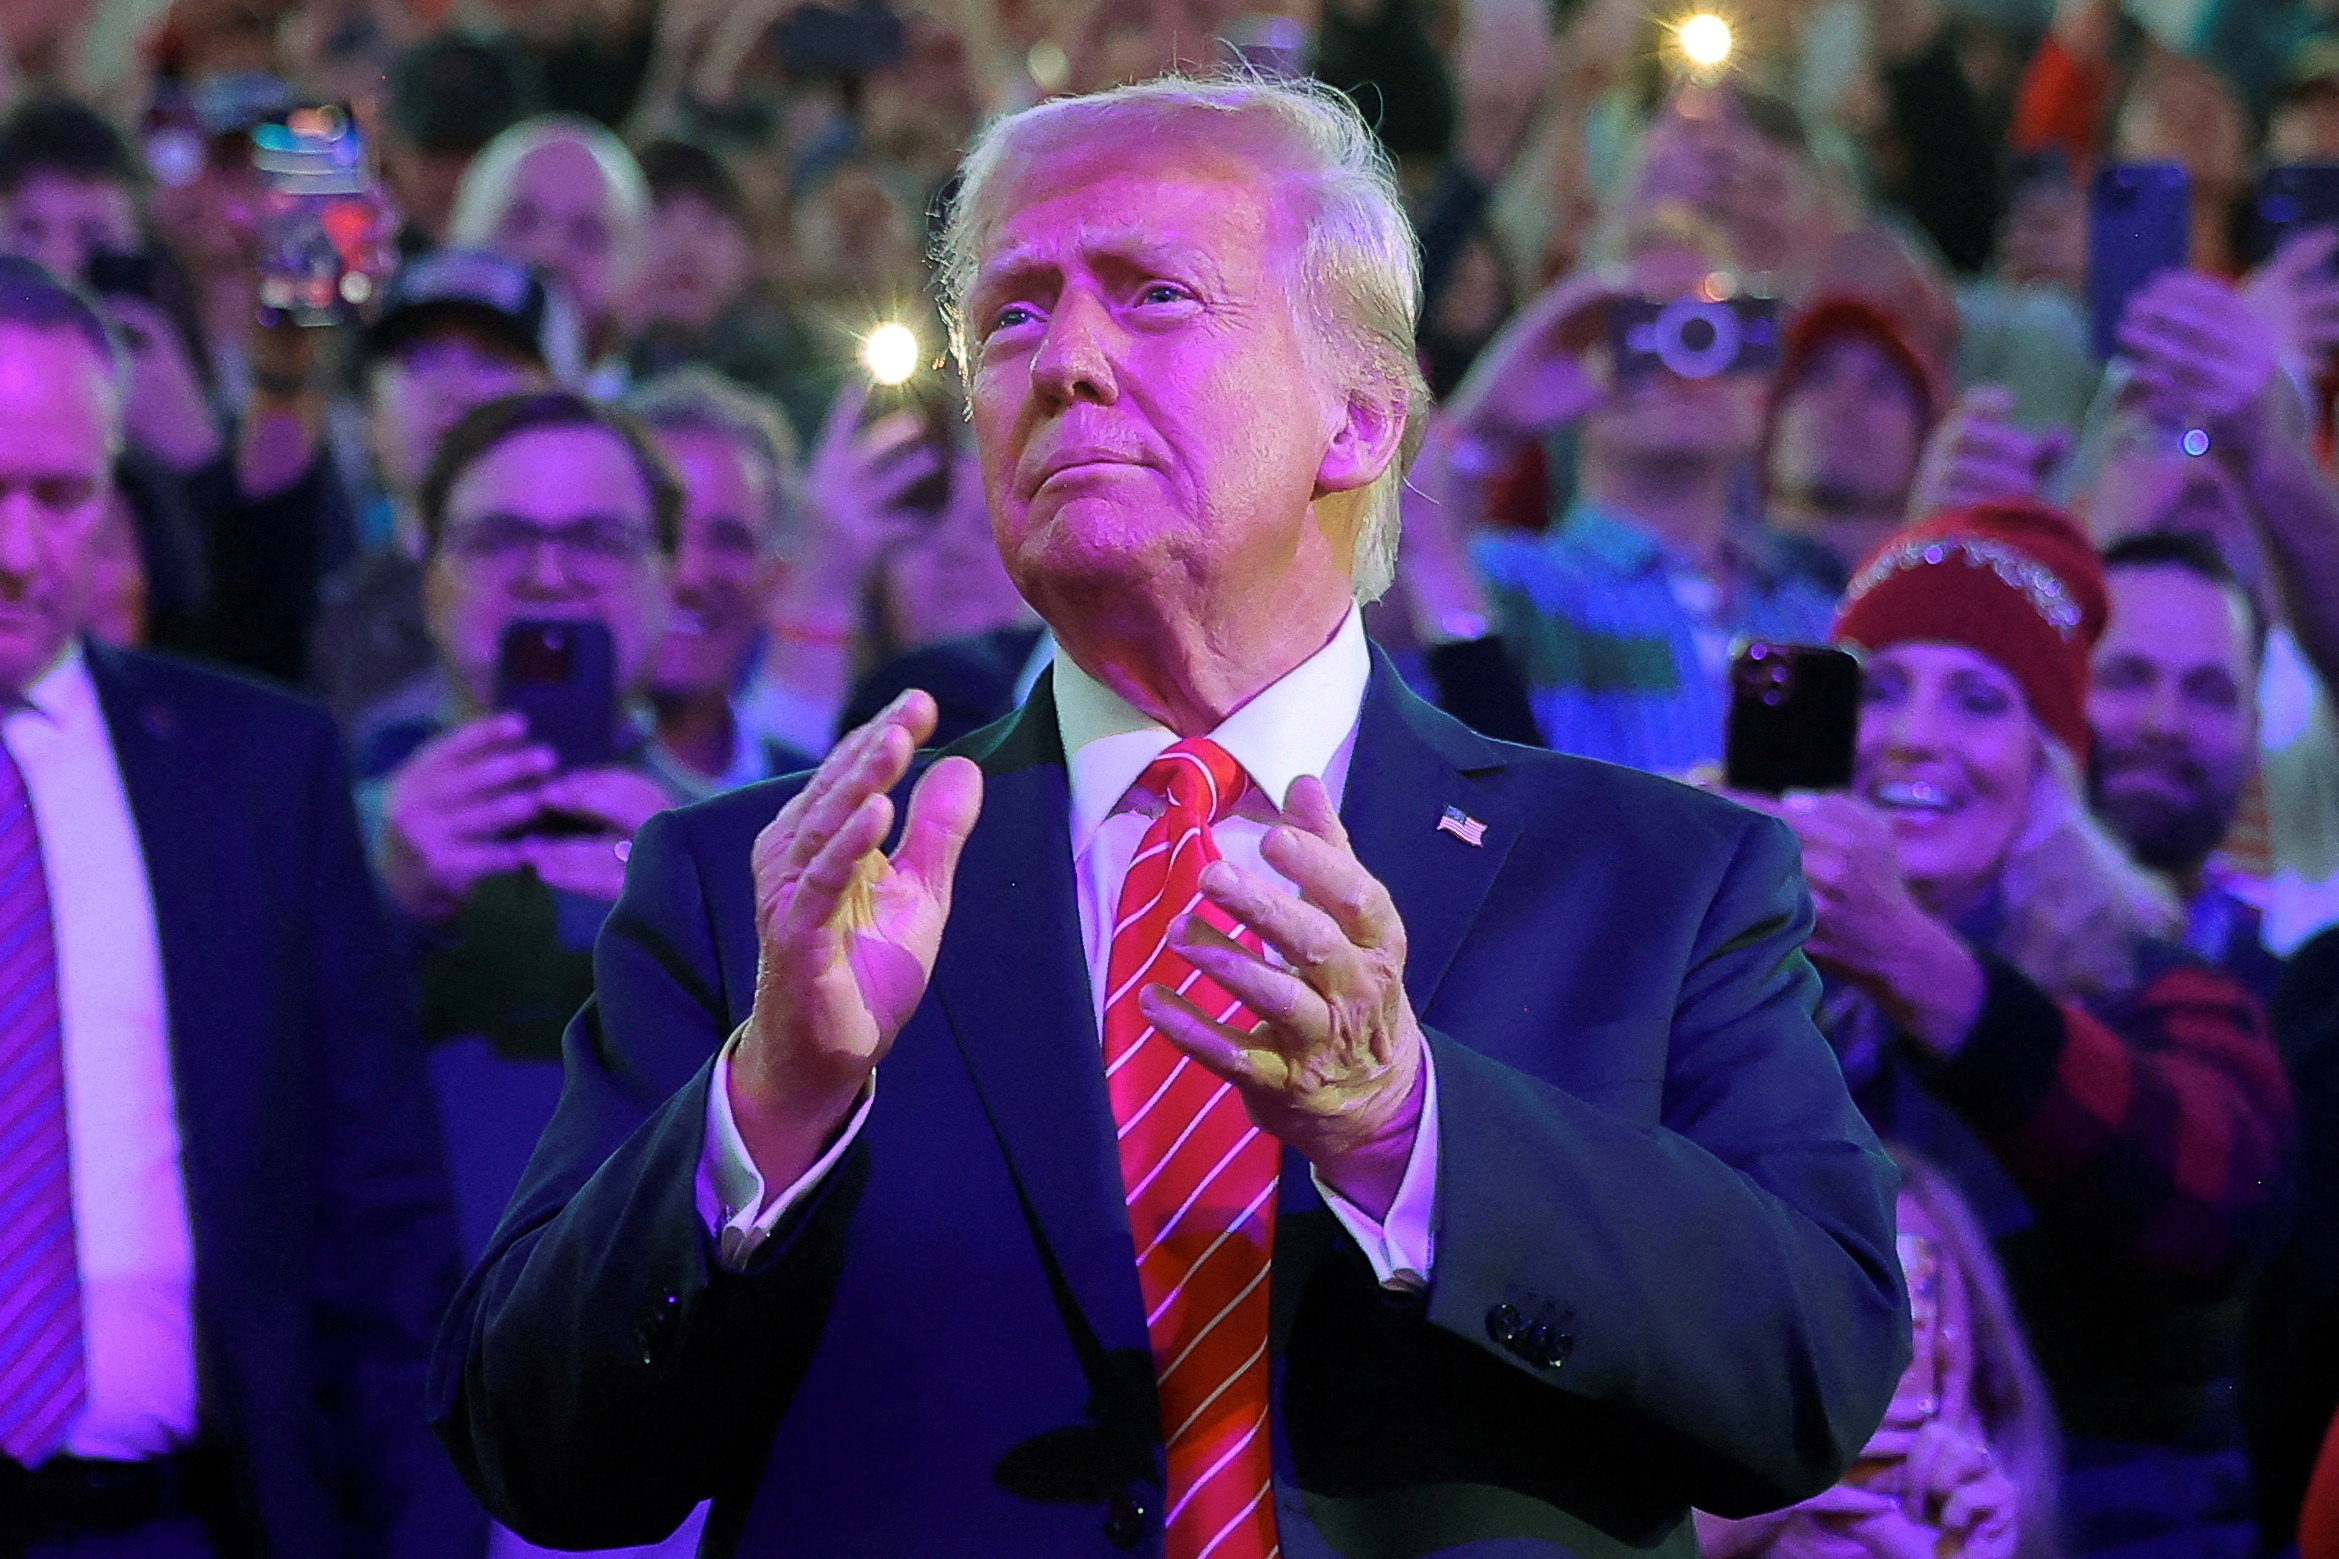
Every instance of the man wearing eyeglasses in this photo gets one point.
(538, 508)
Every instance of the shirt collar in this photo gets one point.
(64, 690)
(1293, 726)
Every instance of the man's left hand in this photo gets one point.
(1336, 1066)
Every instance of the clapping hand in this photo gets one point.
(1335, 1066)
(847, 936)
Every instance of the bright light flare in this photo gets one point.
(1705, 40)
(890, 353)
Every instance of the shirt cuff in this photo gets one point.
(730, 1189)
(1402, 1246)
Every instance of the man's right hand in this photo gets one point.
(450, 808)
(847, 936)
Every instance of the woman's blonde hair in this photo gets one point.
(2016, 1416)
(1359, 266)
(2076, 905)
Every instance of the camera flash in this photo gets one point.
(890, 353)
(1704, 40)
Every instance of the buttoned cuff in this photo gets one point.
(1401, 1246)
(730, 1189)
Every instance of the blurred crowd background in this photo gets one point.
(610, 369)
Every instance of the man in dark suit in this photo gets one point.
(1460, 1171)
(225, 1226)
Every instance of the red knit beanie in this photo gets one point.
(2016, 582)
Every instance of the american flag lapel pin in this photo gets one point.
(1462, 826)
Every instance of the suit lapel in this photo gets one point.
(1012, 982)
(1411, 763)
(190, 876)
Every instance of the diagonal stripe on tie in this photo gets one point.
(1199, 1178)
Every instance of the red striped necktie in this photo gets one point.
(1200, 1180)
(43, 1381)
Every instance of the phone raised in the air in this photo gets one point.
(1794, 717)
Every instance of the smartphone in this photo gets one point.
(2292, 198)
(1695, 337)
(327, 237)
(1794, 715)
(931, 394)
(132, 275)
(2139, 224)
(562, 675)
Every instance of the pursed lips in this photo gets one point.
(1072, 460)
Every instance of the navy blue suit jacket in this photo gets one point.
(324, 1230)
(1664, 1271)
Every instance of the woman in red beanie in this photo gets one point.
(2006, 1000)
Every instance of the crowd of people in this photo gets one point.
(2077, 910)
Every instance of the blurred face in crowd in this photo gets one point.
(423, 183)
(1702, 153)
(724, 562)
(418, 392)
(1949, 753)
(212, 221)
(60, 419)
(2305, 126)
(561, 211)
(1148, 399)
(2174, 709)
(2146, 486)
(61, 221)
(550, 523)
(695, 261)
(1661, 415)
(1844, 448)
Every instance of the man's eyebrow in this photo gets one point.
(1130, 243)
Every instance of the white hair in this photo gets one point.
(2076, 904)
(696, 399)
(1359, 267)
(487, 181)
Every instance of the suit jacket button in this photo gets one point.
(1547, 1346)
(1504, 1324)
(654, 1332)
(1125, 1517)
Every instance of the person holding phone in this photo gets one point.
(501, 792)
(1623, 615)
(2007, 996)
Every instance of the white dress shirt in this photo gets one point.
(1304, 723)
(130, 1228)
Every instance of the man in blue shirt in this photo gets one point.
(1621, 619)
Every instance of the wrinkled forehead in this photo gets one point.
(1168, 183)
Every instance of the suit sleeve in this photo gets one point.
(1728, 1278)
(601, 1373)
(387, 1255)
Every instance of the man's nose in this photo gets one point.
(548, 573)
(21, 524)
(1074, 361)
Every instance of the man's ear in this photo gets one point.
(1370, 433)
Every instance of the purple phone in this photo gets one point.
(561, 674)
(2139, 224)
